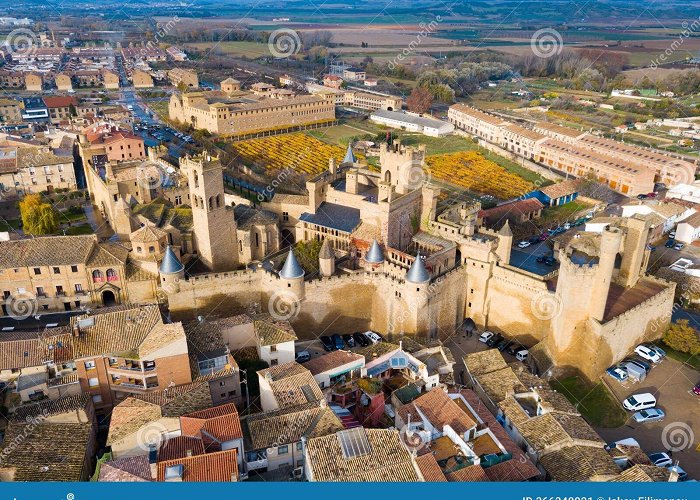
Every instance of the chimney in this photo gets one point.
(153, 460)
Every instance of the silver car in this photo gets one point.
(649, 415)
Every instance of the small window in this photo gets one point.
(299, 446)
(97, 398)
(37, 270)
(57, 270)
(93, 382)
(89, 365)
(282, 450)
(74, 269)
(222, 383)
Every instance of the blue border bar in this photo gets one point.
(418, 491)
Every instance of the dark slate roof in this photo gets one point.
(246, 216)
(375, 254)
(334, 216)
(349, 155)
(291, 269)
(171, 264)
(418, 273)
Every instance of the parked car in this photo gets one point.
(651, 195)
(338, 341)
(373, 337)
(549, 261)
(638, 402)
(360, 339)
(502, 344)
(648, 353)
(661, 352)
(484, 337)
(617, 372)
(638, 362)
(522, 355)
(302, 357)
(661, 459)
(541, 258)
(651, 248)
(524, 244)
(494, 340)
(670, 243)
(679, 246)
(642, 197)
(507, 345)
(534, 239)
(514, 348)
(672, 235)
(696, 389)
(349, 341)
(650, 415)
(328, 344)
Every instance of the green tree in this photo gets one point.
(682, 337)
(38, 218)
(307, 254)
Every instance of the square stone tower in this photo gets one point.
(214, 224)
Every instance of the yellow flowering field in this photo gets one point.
(470, 170)
(301, 152)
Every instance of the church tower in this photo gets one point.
(214, 225)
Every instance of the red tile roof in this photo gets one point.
(515, 208)
(179, 446)
(60, 101)
(439, 409)
(220, 466)
(472, 473)
(430, 469)
(214, 425)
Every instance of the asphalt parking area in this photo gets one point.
(671, 382)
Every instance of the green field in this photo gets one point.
(251, 50)
(595, 402)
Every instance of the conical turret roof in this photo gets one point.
(291, 269)
(349, 155)
(375, 254)
(171, 264)
(505, 230)
(418, 273)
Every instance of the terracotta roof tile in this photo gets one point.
(220, 466)
(429, 468)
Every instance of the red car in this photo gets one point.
(651, 195)
(696, 389)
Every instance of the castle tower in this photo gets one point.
(610, 242)
(292, 276)
(505, 243)
(326, 259)
(374, 258)
(122, 223)
(415, 293)
(402, 166)
(171, 272)
(635, 256)
(214, 225)
(230, 86)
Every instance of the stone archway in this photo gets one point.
(108, 298)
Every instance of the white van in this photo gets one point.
(521, 355)
(639, 402)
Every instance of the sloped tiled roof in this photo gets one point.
(129, 416)
(291, 384)
(482, 362)
(579, 463)
(286, 426)
(49, 407)
(220, 466)
(439, 409)
(46, 251)
(429, 468)
(644, 474)
(386, 460)
(126, 469)
(213, 425)
(180, 447)
(471, 473)
(180, 400)
(332, 360)
(48, 451)
(271, 332)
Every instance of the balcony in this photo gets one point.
(132, 370)
(130, 387)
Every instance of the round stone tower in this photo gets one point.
(292, 276)
(326, 259)
(374, 258)
(171, 272)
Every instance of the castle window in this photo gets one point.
(151, 249)
(138, 249)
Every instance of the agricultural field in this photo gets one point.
(472, 171)
(301, 152)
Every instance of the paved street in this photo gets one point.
(670, 382)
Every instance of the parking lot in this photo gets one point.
(671, 383)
